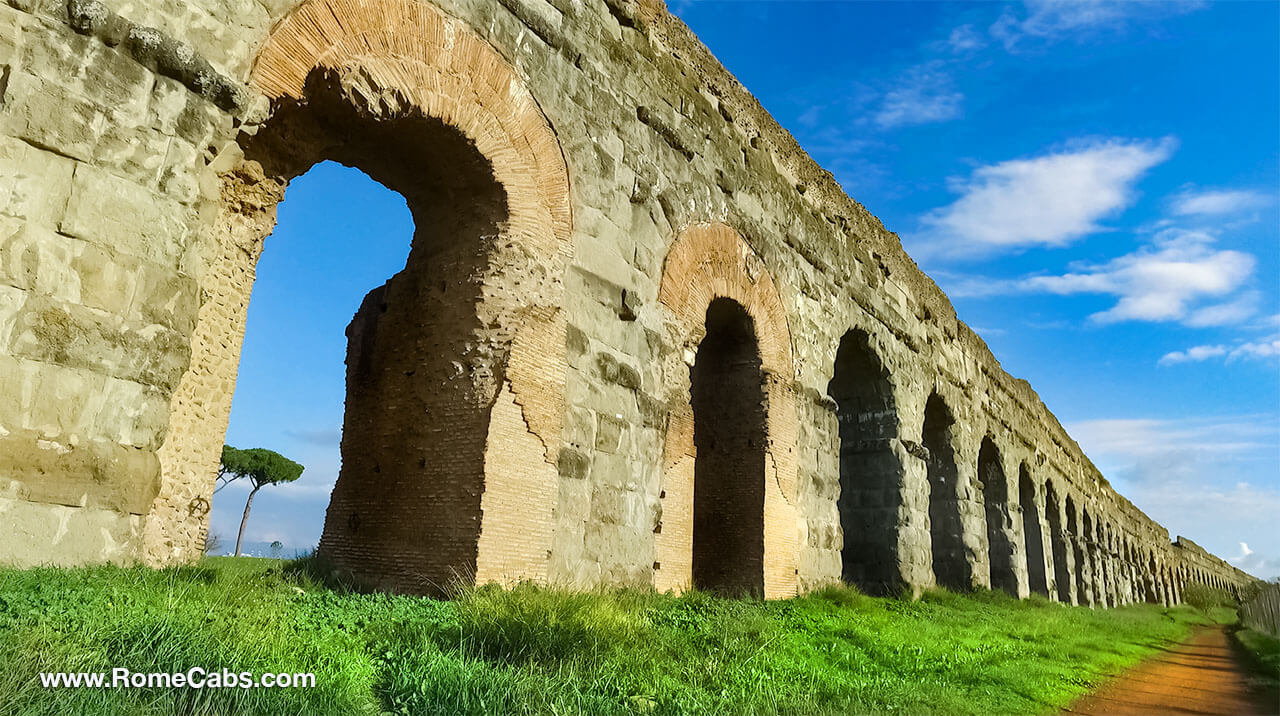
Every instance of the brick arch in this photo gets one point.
(407, 59)
(706, 262)
(440, 65)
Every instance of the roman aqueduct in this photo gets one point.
(641, 337)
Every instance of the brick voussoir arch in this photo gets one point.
(442, 66)
(706, 262)
(412, 59)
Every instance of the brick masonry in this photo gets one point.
(642, 338)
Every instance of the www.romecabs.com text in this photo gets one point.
(193, 678)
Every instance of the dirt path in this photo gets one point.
(1204, 675)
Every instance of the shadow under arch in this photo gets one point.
(951, 567)
(870, 471)
(1032, 536)
(1057, 543)
(1000, 532)
(729, 434)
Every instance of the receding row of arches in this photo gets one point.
(1043, 540)
(475, 318)
(1039, 540)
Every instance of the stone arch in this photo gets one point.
(1000, 531)
(1090, 556)
(1106, 575)
(951, 567)
(1120, 568)
(420, 102)
(1057, 543)
(1126, 560)
(1152, 577)
(870, 470)
(1077, 553)
(1032, 536)
(1106, 567)
(708, 262)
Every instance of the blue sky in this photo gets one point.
(1094, 184)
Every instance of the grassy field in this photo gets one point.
(1264, 651)
(539, 651)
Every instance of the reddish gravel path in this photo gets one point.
(1204, 675)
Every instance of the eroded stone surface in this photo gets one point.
(586, 181)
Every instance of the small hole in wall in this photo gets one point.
(657, 565)
(657, 529)
(354, 521)
(662, 494)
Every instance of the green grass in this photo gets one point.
(539, 651)
(1264, 652)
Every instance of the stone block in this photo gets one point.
(75, 336)
(35, 184)
(52, 117)
(12, 24)
(38, 534)
(128, 218)
(132, 152)
(87, 68)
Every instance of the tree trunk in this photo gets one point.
(243, 520)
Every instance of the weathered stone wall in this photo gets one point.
(144, 145)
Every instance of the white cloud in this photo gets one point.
(1167, 280)
(1226, 313)
(1134, 439)
(1215, 202)
(1264, 349)
(965, 38)
(1194, 354)
(1049, 200)
(1244, 552)
(1217, 516)
(923, 95)
(1211, 479)
(1045, 21)
(1268, 348)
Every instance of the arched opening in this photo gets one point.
(1098, 555)
(1153, 575)
(394, 88)
(870, 473)
(712, 264)
(1073, 532)
(1032, 537)
(1058, 544)
(405, 513)
(1109, 570)
(338, 233)
(950, 566)
(729, 432)
(1105, 574)
(1126, 570)
(1087, 554)
(995, 495)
